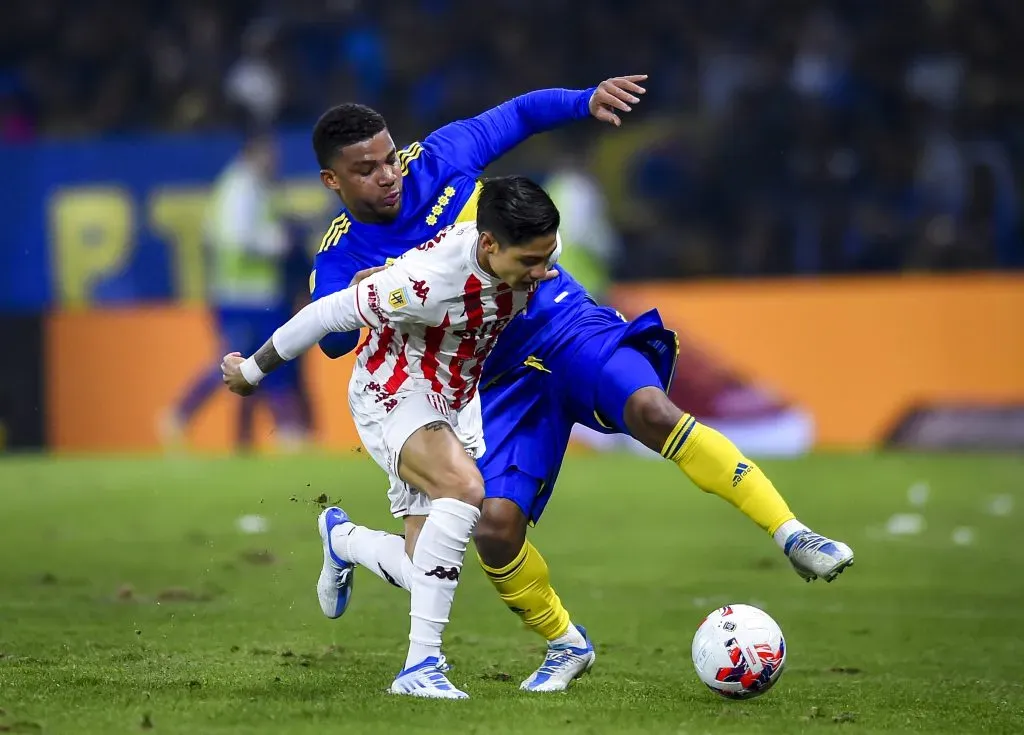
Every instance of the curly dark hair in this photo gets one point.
(344, 125)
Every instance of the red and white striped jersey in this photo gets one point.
(434, 315)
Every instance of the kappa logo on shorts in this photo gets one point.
(399, 298)
(442, 573)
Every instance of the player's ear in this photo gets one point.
(489, 243)
(329, 179)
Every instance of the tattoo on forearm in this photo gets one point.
(437, 426)
(267, 358)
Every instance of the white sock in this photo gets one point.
(435, 570)
(380, 552)
(571, 637)
(787, 529)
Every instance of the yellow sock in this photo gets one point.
(717, 466)
(525, 586)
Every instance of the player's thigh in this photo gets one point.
(526, 443)
(386, 424)
(429, 456)
(631, 399)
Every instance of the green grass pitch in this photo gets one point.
(130, 601)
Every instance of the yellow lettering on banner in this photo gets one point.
(302, 199)
(176, 215)
(91, 232)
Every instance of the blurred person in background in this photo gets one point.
(254, 83)
(589, 243)
(248, 249)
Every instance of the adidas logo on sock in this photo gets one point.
(742, 470)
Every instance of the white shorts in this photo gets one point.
(385, 426)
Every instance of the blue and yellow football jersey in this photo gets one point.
(439, 188)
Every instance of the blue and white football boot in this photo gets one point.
(814, 556)
(562, 664)
(427, 679)
(334, 587)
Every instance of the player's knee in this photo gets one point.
(651, 416)
(498, 536)
(460, 483)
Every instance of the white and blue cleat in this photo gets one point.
(561, 665)
(814, 556)
(334, 587)
(427, 679)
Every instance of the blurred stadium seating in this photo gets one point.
(786, 138)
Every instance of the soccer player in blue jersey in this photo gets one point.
(567, 360)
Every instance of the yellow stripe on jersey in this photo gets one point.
(339, 227)
(407, 155)
(312, 281)
(468, 211)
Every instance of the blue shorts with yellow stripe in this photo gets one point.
(584, 376)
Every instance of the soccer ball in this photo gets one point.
(739, 651)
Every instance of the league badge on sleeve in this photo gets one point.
(399, 298)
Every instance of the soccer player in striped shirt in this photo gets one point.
(434, 315)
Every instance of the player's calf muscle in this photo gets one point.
(434, 461)
(651, 416)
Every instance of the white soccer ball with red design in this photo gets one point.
(739, 651)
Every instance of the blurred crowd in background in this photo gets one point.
(778, 136)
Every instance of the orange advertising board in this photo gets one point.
(856, 353)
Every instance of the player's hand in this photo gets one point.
(552, 273)
(365, 273)
(231, 369)
(616, 94)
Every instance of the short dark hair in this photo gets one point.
(515, 210)
(344, 125)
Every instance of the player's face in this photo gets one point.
(523, 265)
(368, 178)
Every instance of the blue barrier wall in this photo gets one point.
(107, 222)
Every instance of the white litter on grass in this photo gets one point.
(252, 524)
(963, 536)
(917, 494)
(905, 524)
(1000, 505)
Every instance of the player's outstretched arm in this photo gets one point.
(382, 297)
(338, 312)
(336, 344)
(471, 145)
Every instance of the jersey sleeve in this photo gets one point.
(409, 291)
(471, 145)
(376, 301)
(332, 272)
